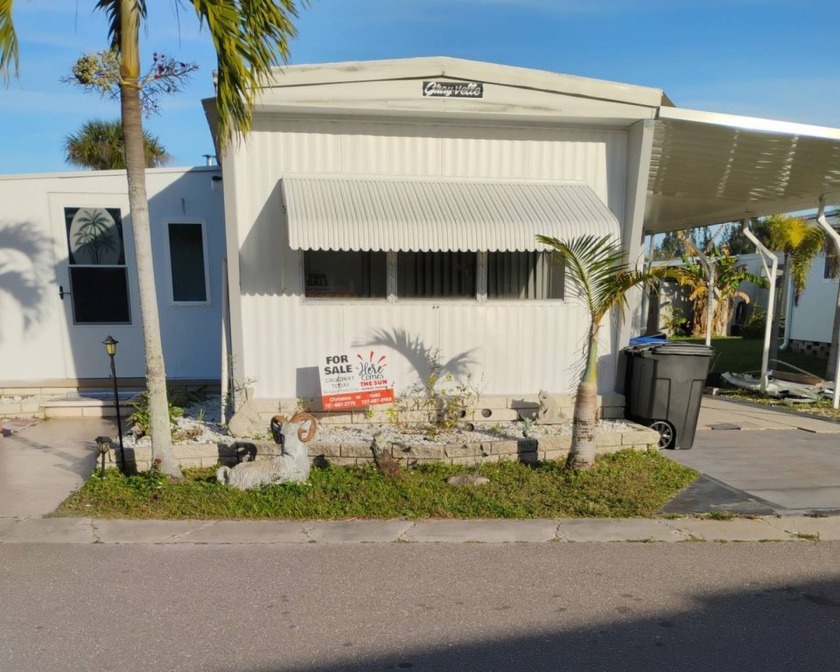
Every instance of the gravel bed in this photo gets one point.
(200, 424)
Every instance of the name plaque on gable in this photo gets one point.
(355, 379)
(453, 89)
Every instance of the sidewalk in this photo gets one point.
(90, 531)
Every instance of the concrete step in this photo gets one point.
(83, 404)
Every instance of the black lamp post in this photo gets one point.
(104, 445)
(111, 348)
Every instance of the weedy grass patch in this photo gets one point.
(625, 484)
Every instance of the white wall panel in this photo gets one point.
(814, 315)
(519, 348)
(52, 348)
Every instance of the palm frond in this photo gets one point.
(8, 41)
(598, 273)
(111, 9)
(250, 38)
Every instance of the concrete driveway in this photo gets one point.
(758, 460)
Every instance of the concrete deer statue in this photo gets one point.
(291, 465)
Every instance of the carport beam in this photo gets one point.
(771, 297)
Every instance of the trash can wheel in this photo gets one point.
(667, 433)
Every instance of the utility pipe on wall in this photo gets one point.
(835, 237)
(771, 297)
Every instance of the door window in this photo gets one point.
(98, 274)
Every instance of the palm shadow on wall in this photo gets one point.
(424, 359)
(26, 273)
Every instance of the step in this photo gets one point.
(88, 404)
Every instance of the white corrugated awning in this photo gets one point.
(346, 213)
(709, 168)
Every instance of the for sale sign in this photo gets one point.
(355, 379)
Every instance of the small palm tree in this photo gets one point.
(800, 242)
(600, 278)
(100, 145)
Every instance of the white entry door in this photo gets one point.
(96, 280)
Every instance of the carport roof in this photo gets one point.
(709, 168)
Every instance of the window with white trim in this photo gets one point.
(188, 262)
(97, 266)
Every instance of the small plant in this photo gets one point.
(201, 415)
(676, 323)
(720, 515)
(755, 325)
(140, 418)
(441, 397)
(527, 424)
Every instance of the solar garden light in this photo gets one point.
(104, 445)
(111, 348)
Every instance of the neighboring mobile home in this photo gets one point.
(68, 277)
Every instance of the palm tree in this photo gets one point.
(250, 37)
(800, 242)
(728, 277)
(99, 145)
(600, 278)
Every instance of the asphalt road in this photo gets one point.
(464, 607)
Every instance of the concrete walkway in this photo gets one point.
(40, 465)
(756, 460)
(791, 467)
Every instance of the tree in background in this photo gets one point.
(693, 276)
(99, 145)
(599, 277)
(800, 242)
(250, 37)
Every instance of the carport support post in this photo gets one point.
(771, 297)
(835, 237)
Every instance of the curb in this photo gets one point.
(94, 531)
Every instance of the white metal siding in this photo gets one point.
(518, 347)
(813, 316)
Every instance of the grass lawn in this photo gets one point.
(626, 484)
(736, 355)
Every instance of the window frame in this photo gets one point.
(203, 224)
(391, 286)
(71, 266)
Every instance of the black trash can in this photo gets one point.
(664, 386)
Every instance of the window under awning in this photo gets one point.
(406, 214)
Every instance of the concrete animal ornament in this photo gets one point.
(291, 465)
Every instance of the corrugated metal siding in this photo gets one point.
(507, 348)
(813, 315)
(522, 347)
(329, 213)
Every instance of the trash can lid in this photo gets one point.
(672, 348)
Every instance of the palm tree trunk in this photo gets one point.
(582, 451)
(132, 122)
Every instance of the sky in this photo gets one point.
(778, 59)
